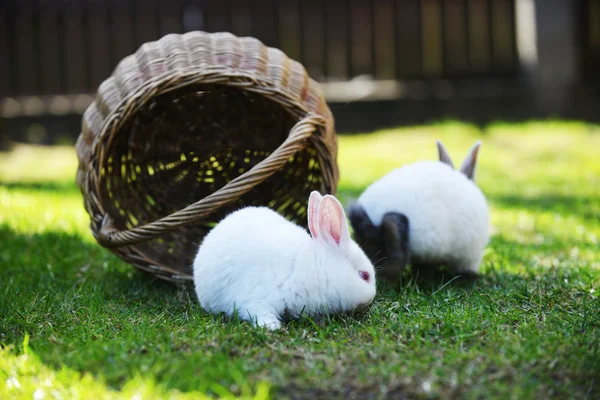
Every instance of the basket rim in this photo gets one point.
(205, 75)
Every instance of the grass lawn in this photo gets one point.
(76, 322)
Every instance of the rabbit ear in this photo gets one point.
(332, 224)
(443, 154)
(313, 205)
(468, 165)
(395, 234)
(361, 223)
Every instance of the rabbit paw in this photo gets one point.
(269, 321)
(265, 318)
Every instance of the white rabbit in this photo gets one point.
(261, 265)
(425, 214)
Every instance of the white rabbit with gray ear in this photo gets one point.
(424, 214)
(261, 265)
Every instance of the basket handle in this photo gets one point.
(109, 236)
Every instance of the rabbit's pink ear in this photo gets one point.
(333, 227)
(313, 206)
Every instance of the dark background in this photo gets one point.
(427, 59)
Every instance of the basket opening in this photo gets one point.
(184, 145)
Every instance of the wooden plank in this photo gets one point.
(503, 28)
(26, 53)
(557, 51)
(479, 43)
(409, 40)
(75, 61)
(313, 41)
(217, 16)
(590, 37)
(266, 22)
(122, 32)
(361, 38)
(431, 31)
(593, 15)
(384, 41)
(455, 37)
(337, 40)
(170, 17)
(290, 34)
(241, 17)
(50, 51)
(6, 58)
(145, 22)
(98, 43)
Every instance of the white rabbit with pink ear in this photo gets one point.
(425, 214)
(260, 265)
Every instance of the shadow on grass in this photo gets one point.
(86, 309)
(61, 267)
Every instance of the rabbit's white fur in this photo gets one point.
(447, 213)
(259, 264)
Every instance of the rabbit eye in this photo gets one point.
(364, 276)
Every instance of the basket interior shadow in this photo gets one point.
(187, 144)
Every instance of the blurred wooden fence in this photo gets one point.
(66, 48)
(589, 37)
(69, 47)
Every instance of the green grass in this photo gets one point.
(76, 322)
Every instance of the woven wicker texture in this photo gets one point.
(190, 128)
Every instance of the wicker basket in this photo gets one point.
(190, 128)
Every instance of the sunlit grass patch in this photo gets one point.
(25, 376)
(528, 328)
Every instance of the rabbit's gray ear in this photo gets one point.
(470, 162)
(361, 223)
(443, 154)
(395, 231)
